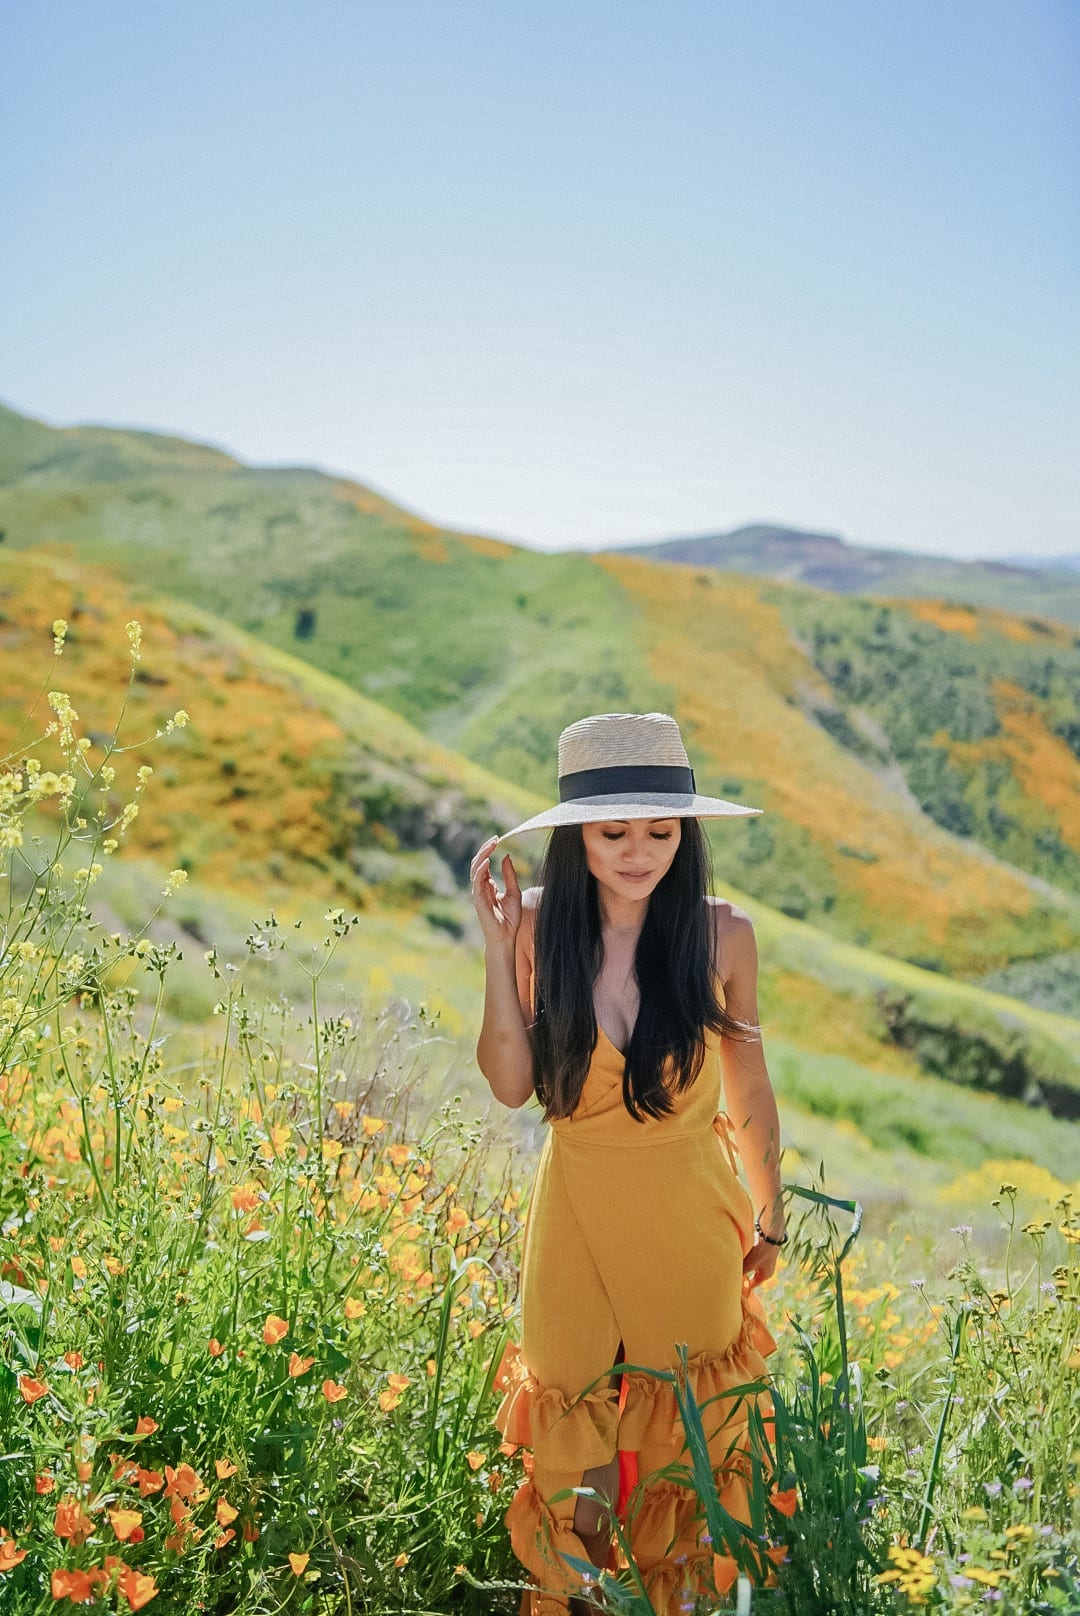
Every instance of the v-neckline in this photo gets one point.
(611, 1042)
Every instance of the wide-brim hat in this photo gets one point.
(626, 766)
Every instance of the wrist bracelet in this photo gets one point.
(768, 1239)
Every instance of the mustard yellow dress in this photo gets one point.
(633, 1242)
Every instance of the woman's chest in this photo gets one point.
(616, 998)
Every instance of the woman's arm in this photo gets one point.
(748, 1093)
(503, 1051)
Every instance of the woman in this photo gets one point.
(621, 994)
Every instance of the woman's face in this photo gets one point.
(631, 856)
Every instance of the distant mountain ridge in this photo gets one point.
(826, 561)
(1048, 563)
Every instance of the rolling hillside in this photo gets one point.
(287, 790)
(1035, 586)
(281, 778)
(906, 810)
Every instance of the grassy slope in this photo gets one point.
(853, 846)
(492, 649)
(282, 775)
(979, 710)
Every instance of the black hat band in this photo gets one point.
(643, 777)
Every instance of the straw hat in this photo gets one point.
(626, 766)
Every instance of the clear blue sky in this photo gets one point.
(570, 271)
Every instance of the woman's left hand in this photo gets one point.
(760, 1261)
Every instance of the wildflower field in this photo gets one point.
(255, 1287)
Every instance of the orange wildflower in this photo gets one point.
(74, 1360)
(224, 1469)
(223, 1538)
(274, 1329)
(71, 1520)
(785, 1502)
(124, 1522)
(391, 1398)
(251, 1531)
(246, 1198)
(334, 1391)
(299, 1563)
(144, 1426)
(475, 1459)
(355, 1308)
(183, 1482)
(9, 1554)
(137, 1587)
(372, 1125)
(73, 1585)
(298, 1365)
(44, 1483)
(214, 1347)
(224, 1512)
(150, 1481)
(32, 1389)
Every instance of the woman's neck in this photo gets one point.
(620, 915)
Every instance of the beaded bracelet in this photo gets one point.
(783, 1240)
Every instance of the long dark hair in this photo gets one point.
(674, 963)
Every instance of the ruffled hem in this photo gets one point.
(540, 1539)
(568, 1432)
(650, 1417)
(665, 1531)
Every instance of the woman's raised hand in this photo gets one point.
(499, 913)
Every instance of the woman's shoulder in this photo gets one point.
(728, 916)
(733, 931)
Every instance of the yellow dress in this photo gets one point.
(633, 1242)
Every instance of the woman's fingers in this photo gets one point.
(481, 857)
(759, 1264)
(503, 907)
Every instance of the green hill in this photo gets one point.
(906, 809)
(281, 776)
